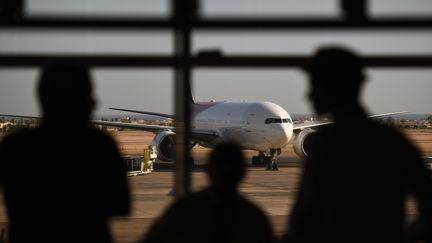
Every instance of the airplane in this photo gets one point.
(261, 126)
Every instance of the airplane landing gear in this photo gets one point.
(260, 159)
(268, 161)
(271, 160)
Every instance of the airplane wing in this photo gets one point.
(144, 127)
(301, 126)
(207, 136)
(204, 135)
(201, 135)
(134, 126)
(388, 114)
(145, 112)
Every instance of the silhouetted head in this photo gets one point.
(226, 166)
(336, 75)
(65, 92)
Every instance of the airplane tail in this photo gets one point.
(189, 97)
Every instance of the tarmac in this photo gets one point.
(273, 191)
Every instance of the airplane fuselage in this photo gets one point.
(254, 125)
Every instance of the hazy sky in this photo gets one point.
(151, 89)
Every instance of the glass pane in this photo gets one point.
(261, 8)
(249, 85)
(413, 8)
(252, 85)
(151, 90)
(98, 8)
(408, 92)
(287, 87)
(85, 42)
(138, 89)
(304, 42)
(409, 88)
(134, 89)
(143, 90)
(17, 91)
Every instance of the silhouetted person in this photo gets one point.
(218, 213)
(358, 172)
(63, 179)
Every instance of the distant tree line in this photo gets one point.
(425, 123)
(16, 124)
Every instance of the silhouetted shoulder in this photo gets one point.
(205, 217)
(8, 143)
(14, 142)
(392, 139)
(19, 135)
(103, 137)
(369, 134)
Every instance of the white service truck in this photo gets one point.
(140, 165)
(428, 161)
(152, 157)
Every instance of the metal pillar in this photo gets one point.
(11, 10)
(184, 13)
(355, 10)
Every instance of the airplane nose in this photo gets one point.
(288, 128)
(285, 133)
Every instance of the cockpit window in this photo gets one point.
(278, 120)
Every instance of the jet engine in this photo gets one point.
(300, 144)
(165, 144)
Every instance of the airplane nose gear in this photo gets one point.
(260, 159)
(271, 160)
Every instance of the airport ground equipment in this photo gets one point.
(428, 161)
(150, 156)
(134, 165)
(141, 165)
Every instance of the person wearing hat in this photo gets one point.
(358, 172)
